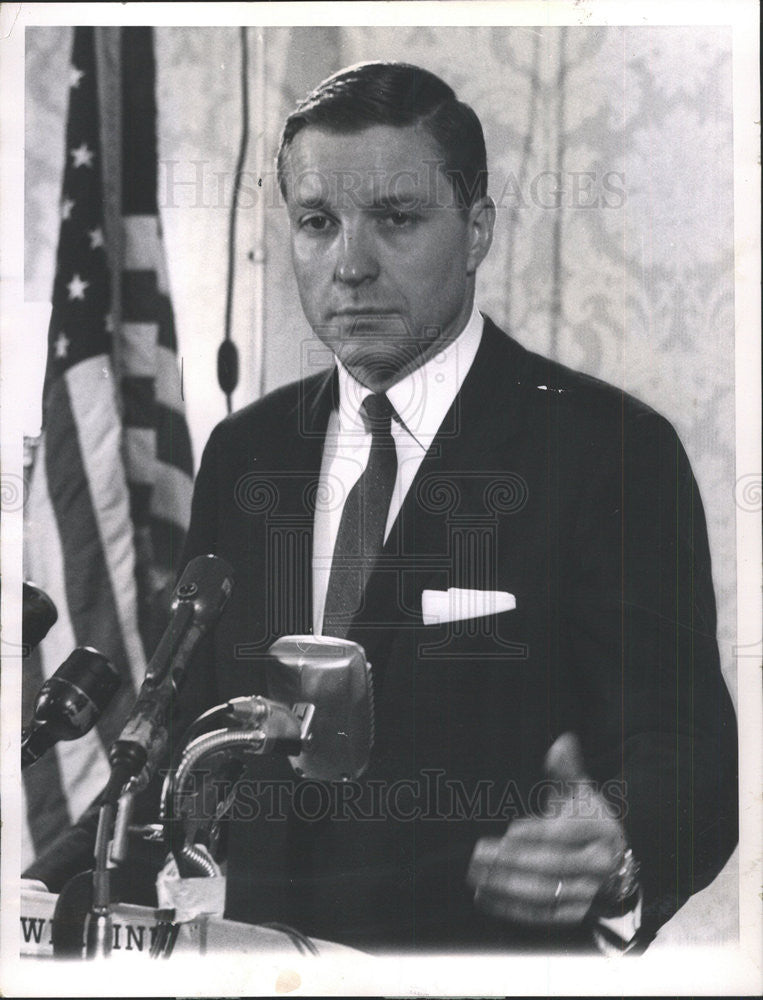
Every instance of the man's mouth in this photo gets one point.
(366, 311)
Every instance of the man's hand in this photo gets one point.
(548, 869)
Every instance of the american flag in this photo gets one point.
(158, 447)
(110, 493)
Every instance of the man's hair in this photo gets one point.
(397, 94)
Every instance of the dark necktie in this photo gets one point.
(361, 529)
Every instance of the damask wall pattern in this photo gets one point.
(611, 165)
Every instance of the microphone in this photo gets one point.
(38, 616)
(319, 713)
(330, 679)
(69, 703)
(197, 602)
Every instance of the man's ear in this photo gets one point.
(481, 222)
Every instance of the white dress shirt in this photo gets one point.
(421, 400)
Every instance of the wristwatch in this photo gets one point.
(620, 892)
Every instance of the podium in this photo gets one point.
(136, 927)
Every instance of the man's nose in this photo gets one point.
(357, 261)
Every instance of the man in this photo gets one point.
(520, 550)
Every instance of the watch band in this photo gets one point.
(621, 890)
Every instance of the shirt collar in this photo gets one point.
(422, 397)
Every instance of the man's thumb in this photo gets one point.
(564, 760)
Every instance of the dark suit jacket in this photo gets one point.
(579, 501)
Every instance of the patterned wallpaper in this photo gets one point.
(611, 164)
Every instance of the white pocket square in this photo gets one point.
(456, 604)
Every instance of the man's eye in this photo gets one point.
(398, 219)
(316, 223)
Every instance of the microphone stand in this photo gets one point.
(99, 923)
(198, 600)
(129, 761)
(268, 727)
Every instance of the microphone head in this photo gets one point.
(333, 675)
(207, 582)
(38, 616)
(72, 700)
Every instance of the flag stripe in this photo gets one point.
(166, 497)
(139, 349)
(139, 296)
(168, 386)
(143, 302)
(172, 495)
(173, 444)
(142, 410)
(84, 763)
(45, 801)
(167, 538)
(143, 247)
(75, 771)
(167, 336)
(164, 493)
(81, 469)
(140, 504)
(91, 604)
(139, 147)
(154, 421)
(96, 417)
(33, 839)
(140, 455)
(139, 404)
(143, 358)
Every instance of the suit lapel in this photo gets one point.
(296, 480)
(472, 448)
(470, 454)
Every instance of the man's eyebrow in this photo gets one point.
(308, 200)
(397, 202)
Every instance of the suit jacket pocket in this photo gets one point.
(500, 636)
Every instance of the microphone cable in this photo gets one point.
(227, 355)
(301, 942)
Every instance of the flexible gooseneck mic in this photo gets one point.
(320, 715)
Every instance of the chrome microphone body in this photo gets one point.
(332, 679)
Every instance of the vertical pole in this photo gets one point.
(259, 254)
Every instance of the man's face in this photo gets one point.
(384, 257)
